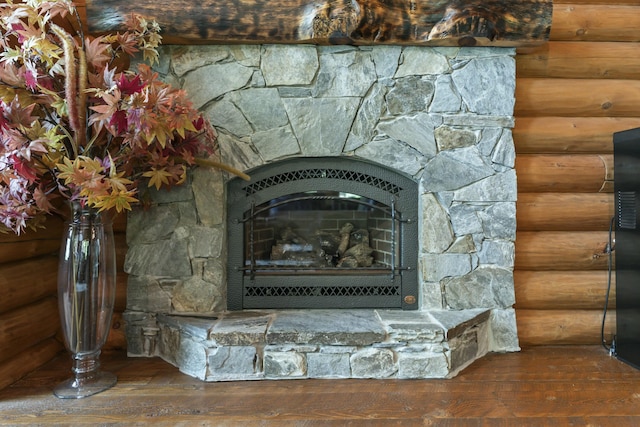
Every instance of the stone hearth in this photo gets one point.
(253, 345)
(440, 115)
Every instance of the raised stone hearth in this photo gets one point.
(252, 345)
(441, 116)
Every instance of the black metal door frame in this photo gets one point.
(396, 289)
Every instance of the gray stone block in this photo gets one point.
(144, 293)
(410, 95)
(284, 365)
(464, 349)
(231, 362)
(321, 125)
(487, 286)
(415, 131)
(276, 65)
(244, 328)
(395, 155)
(436, 267)
(480, 94)
(455, 169)
(373, 363)
(504, 330)
(411, 327)
(437, 233)
(329, 327)
(162, 258)
(413, 365)
(191, 357)
(328, 365)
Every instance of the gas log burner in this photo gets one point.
(323, 233)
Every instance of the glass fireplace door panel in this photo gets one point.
(321, 232)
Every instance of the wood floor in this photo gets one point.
(539, 386)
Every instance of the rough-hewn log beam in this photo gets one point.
(406, 22)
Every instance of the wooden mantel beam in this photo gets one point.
(360, 22)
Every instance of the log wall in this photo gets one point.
(572, 94)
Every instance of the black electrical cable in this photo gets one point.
(611, 349)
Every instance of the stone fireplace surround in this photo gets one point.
(441, 115)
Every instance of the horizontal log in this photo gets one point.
(580, 60)
(569, 135)
(564, 211)
(25, 282)
(562, 250)
(576, 97)
(563, 327)
(31, 243)
(18, 251)
(13, 369)
(52, 230)
(572, 21)
(416, 22)
(607, 21)
(564, 290)
(579, 173)
(27, 326)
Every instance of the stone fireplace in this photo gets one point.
(440, 117)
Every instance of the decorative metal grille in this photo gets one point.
(325, 291)
(305, 174)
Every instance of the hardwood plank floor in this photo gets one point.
(539, 386)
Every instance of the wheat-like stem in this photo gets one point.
(71, 83)
(215, 164)
(81, 134)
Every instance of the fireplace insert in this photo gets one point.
(318, 232)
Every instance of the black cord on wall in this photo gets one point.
(611, 349)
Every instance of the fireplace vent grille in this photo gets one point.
(321, 291)
(323, 173)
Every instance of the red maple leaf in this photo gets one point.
(23, 168)
(119, 120)
(129, 87)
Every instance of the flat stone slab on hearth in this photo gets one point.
(327, 327)
(241, 328)
(455, 323)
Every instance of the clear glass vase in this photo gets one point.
(86, 293)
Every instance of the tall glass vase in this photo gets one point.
(86, 293)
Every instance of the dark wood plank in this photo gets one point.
(538, 386)
(18, 331)
(430, 22)
(25, 282)
(600, 21)
(13, 369)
